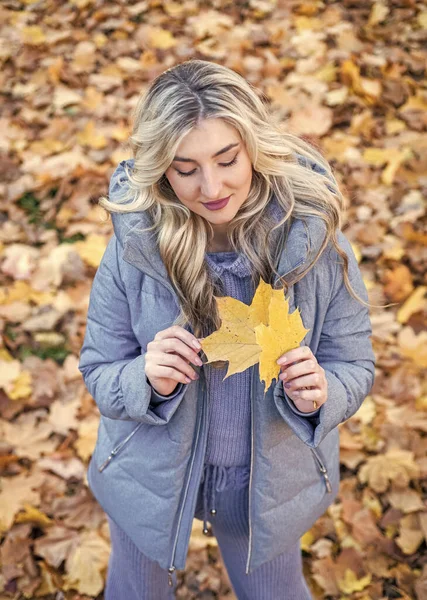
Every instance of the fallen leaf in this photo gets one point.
(351, 584)
(86, 563)
(31, 514)
(16, 492)
(28, 436)
(57, 544)
(396, 465)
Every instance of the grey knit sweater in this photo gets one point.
(229, 401)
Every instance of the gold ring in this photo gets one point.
(314, 404)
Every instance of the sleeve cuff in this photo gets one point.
(294, 409)
(157, 398)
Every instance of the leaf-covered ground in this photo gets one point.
(348, 75)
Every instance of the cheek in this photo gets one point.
(243, 179)
(182, 188)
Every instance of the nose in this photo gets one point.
(210, 187)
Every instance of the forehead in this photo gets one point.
(209, 136)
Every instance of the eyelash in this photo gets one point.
(230, 164)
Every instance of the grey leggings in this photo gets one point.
(132, 576)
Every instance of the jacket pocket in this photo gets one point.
(323, 470)
(117, 449)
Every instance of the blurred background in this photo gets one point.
(350, 77)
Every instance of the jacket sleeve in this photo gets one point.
(111, 361)
(344, 352)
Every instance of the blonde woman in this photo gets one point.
(217, 196)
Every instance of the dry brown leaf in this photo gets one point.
(86, 564)
(79, 510)
(16, 492)
(411, 536)
(396, 465)
(57, 544)
(28, 436)
(87, 430)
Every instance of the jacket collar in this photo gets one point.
(303, 242)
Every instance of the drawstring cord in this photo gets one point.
(216, 477)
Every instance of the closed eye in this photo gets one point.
(229, 164)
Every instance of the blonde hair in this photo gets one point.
(176, 101)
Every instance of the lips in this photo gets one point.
(217, 204)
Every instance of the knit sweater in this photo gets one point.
(229, 401)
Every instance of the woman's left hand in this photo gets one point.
(303, 378)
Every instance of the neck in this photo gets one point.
(219, 248)
(220, 242)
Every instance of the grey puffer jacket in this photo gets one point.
(148, 461)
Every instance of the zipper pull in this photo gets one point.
(328, 483)
(104, 464)
(170, 573)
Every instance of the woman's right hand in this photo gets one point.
(168, 358)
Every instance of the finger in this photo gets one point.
(174, 345)
(306, 405)
(300, 353)
(303, 367)
(304, 394)
(175, 362)
(171, 373)
(182, 334)
(310, 381)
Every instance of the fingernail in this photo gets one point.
(287, 385)
(197, 344)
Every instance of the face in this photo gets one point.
(211, 163)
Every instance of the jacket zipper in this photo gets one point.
(118, 448)
(172, 567)
(323, 470)
(251, 473)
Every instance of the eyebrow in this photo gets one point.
(222, 151)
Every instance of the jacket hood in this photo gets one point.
(304, 240)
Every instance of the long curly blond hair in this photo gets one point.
(176, 101)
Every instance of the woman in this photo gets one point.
(216, 197)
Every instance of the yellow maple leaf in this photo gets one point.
(90, 137)
(161, 38)
(260, 332)
(91, 249)
(31, 514)
(33, 35)
(21, 387)
(351, 584)
(283, 333)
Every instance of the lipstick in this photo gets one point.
(216, 205)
